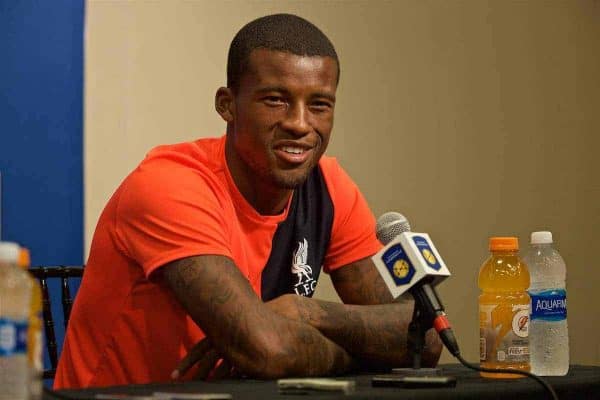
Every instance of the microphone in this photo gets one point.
(409, 262)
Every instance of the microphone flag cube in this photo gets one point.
(407, 259)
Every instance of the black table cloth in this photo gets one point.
(582, 382)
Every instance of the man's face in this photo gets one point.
(282, 117)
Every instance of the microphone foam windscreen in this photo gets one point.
(390, 225)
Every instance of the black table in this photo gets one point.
(582, 382)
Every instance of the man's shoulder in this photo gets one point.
(180, 163)
(206, 153)
(177, 171)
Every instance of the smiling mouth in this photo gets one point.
(292, 150)
(293, 154)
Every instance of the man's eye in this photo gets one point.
(321, 106)
(273, 100)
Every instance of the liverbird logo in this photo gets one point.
(306, 283)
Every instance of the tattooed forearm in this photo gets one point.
(375, 334)
(381, 337)
(361, 283)
(253, 338)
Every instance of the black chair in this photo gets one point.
(43, 273)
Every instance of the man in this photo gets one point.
(220, 241)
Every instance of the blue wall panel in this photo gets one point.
(41, 128)
(41, 140)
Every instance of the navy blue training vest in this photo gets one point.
(300, 241)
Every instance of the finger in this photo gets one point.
(207, 364)
(195, 354)
(223, 370)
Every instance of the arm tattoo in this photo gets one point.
(372, 326)
(376, 334)
(360, 283)
(243, 330)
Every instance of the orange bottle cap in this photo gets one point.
(504, 243)
(24, 258)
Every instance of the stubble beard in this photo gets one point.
(282, 178)
(289, 181)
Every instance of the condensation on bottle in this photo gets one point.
(15, 299)
(548, 329)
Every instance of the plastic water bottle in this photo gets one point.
(15, 298)
(548, 331)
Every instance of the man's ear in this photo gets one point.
(224, 103)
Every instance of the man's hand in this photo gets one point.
(207, 358)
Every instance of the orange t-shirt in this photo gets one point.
(126, 325)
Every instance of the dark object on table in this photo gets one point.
(395, 380)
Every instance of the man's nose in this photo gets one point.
(296, 120)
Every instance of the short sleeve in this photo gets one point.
(353, 232)
(168, 210)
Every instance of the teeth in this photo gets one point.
(293, 150)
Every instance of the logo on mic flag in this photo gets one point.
(398, 265)
(426, 251)
(401, 269)
(429, 257)
(406, 260)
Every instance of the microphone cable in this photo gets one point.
(545, 384)
(448, 338)
(446, 334)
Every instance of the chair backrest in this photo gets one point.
(63, 273)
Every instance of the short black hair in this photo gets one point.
(281, 32)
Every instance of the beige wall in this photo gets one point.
(472, 118)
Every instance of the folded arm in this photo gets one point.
(245, 331)
(370, 326)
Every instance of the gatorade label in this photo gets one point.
(504, 333)
(13, 337)
(549, 305)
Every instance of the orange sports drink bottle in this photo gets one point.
(504, 309)
(34, 332)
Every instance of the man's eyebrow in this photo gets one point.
(281, 89)
(328, 96)
(267, 89)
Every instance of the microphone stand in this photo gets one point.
(416, 336)
(427, 307)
